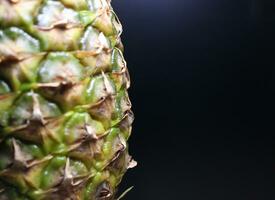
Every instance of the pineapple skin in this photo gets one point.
(65, 115)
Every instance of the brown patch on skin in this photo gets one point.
(90, 136)
(119, 162)
(126, 121)
(82, 151)
(55, 88)
(71, 184)
(22, 175)
(61, 24)
(37, 128)
(63, 85)
(14, 1)
(6, 96)
(17, 57)
(119, 148)
(86, 150)
(31, 131)
(35, 131)
(8, 59)
(104, 192)
(18, 63)
(126, 104)
(68, 92)
(3, 97)
(22, 160)
(122, 162)
(103, 109)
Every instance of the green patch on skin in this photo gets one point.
(10, 193)
(108, 145)
(81, 125)
(93, 40)
(118, 62)
(86, 17)
(99, 87)
(6, 102)
(93, 186)
(4, 88)
(76, 4)
(108, 24)
(53, 172)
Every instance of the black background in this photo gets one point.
(203, 95)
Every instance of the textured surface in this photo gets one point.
(65, 114)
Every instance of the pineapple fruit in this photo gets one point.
(65, 115)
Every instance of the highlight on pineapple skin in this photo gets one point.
(65, 114)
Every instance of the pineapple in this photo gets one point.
(65, 115)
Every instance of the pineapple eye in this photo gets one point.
(54, 13)
(60, 28)
(93, 40)
(99, 88)
(76, 168)
(81, 127)
(118, 62)
(24, 109)
(15, 13)
(60, 67)
(15, 150)
(14, 41)
(19, 57)
(52, 174)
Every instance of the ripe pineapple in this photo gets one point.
(65, 115)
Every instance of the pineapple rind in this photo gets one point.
(65, 115)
